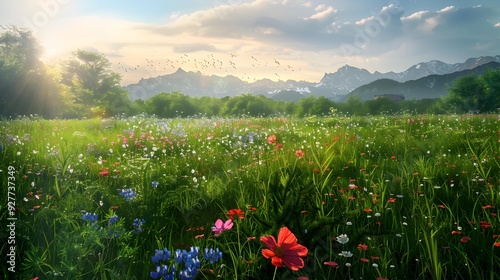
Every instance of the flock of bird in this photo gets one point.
(210, 62)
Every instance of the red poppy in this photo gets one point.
(104, 173)
(487, 207)
(496, 244)
(365, 260)
(286, 251)
(392, 199)
(332, 264)
(362, 247)
(465, 239)
(272, 139)
(484, 224)
(235, 213)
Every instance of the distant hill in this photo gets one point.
(432, 86)
(334, 86)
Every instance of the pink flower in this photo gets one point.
(299, 153)
(284, 252)
(221, 226)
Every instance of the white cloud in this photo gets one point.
(415, 16)
(324, 14)
(447, 9)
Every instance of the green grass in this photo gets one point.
(422, 192)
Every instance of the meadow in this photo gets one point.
(377, 197)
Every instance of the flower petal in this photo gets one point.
(294, 249)
(277, 261)
(219, 223)
(294, 262)
(285, 236)
(269, 241)
(268, 253)
(228, 224)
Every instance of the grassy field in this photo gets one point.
(381, 197)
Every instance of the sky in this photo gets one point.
(256, 39)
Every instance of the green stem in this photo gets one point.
(275, 270)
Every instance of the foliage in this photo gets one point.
(475, 94)
(27, 86)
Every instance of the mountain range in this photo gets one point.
(423, 80)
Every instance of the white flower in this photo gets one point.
(349, 223)
(346, 254)
(342, 239)
(347, 264)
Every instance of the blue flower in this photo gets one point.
(212, 256)
(161, 255)
(127, 194)
(187, 274)
(162, 271)
(138, 223)
(155, 184)
(90, 217)
(112, 220)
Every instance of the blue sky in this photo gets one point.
(253, 39)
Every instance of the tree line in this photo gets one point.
(85, 86)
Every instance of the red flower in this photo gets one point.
(392, 200)
(365, 260)
(362, 247)
(235, 213)
(484, 224)
(272, 139)
(286, 251)
(496, 244)
(104, 173)
(332, 264)
(465, 239)
(299, 153)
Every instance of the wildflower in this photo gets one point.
(286, 251)
(138, 223)
(362, 247)
(497, 244)
(299, 153)
(332, 264)
(161, 255)
(465, 239)
(112, 220)
(235, 213)
(104, 173)
(221, 226)
(342, 239)
(127, 194)
(272, 139)
(155, 184)
(90, 217)
(392, 200)
(346, 254)
(365, 260)
(163, 273)
(212, 255)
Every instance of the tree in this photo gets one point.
(467, 94)
(94, 85)
(27, 86)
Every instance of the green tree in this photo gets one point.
(95, 86)
(27, 86)
(467, 94)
